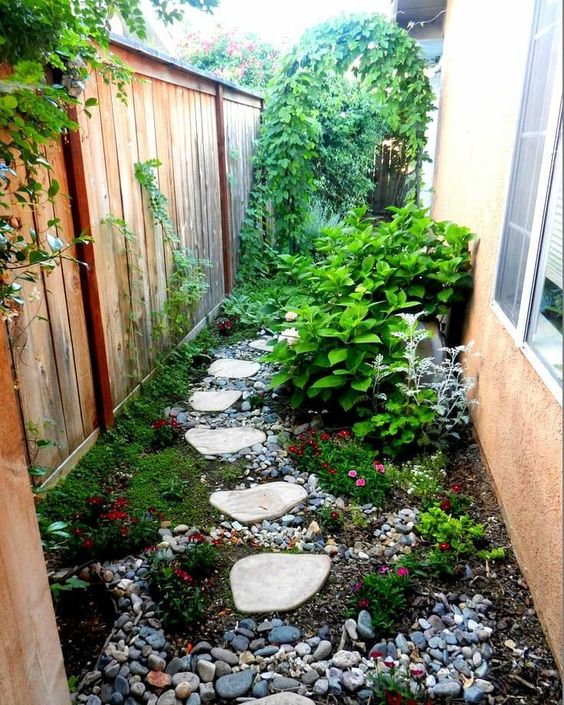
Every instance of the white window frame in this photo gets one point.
(520, 331)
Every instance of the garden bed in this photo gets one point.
(520, 668)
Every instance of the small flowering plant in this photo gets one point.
(182, 582)
(345, 467)
(165, 432)
(392, 686)
(107, 528)
(225, 325)
(384, 594)
(332, 518)
(453, 502)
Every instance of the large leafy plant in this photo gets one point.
(366, 274)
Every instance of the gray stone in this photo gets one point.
(260, 689)
(240, 643)
(323, 650)
(167, 698)
(282, 683)
(266, 651)
(221, 441)
(215, 400)
(353, 680)
(222, 669)
(321, 686)
(235, 684)
(93, 700)
(121, 686)
(277, 582)
(309, 677)
(206, 671)
(194, 699)
(364, 625)
(225, 655)
(284, 635)
(186, 677)
(447, 689)
(285, 698)
(156, 663)
(233, 369)
(345, 659)
(473, 694)
(268, 501)
(261, 344)
(207, 692)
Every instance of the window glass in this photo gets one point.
(529, 150)
(545, 330)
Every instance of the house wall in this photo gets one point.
(518, 420)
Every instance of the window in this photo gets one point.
(528, 290)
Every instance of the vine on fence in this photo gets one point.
(388, 63)
(51, 46)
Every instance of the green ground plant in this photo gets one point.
(422, 478)
(345, 467)
(384, 595)
(182, 583)
(332, 518)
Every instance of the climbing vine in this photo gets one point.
(385, 59)
(49, 47)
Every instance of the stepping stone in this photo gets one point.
(235, 369)
(277, 582)
(214, 400)
(284, 699)
(219, 441)
(268, 501)
(262, 344)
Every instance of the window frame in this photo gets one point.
(519, 332)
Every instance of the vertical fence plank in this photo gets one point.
(223, 188)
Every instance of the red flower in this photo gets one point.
(445, 546)
(344, 433)
(95, 500)
(197, 538)
(324, 437)
(375, 654)
(363, 603)
(124, 531)
(332, 471)
(456, 488)
(77, 531)
(393, 698)
(446, 505)
(88, 544)
(183, 575)
(334, 515)
(292, 449)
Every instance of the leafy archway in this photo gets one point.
(388, 63)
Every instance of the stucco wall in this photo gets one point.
(518, 420)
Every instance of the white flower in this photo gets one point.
(291, 316)
(290, 335)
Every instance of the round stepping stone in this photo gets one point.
(268, 501)
(262, 344)
(234, 369)
(214, 400)
(220, 441)
(277, 582)
(284, 699)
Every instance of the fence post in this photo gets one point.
(32, 671)
(223, 188)
(74, 162)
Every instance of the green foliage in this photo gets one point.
(422, 478)
(54, 534)
(242, 58)
(263, 303)
(388, 64)
(72, 583)
(364, 275)
(351, 128)
(345, 467)
(384, 595)
(187, 283)
(394, 687)
(182, 585)
(332, 518)
(51, 46)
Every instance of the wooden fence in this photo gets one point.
(88, 335)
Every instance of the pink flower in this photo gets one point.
(418, 672)
(357, 587)
(378, 466)
(363, 603)
(402, 572)
(383, 569)
(360, 482)
(352, 473)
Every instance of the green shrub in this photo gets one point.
(384, 595)
(422, 478)
(332, 518)
(345, 467)
(182, 583)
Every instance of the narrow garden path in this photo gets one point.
(275, 651)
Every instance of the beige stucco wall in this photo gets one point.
(518, 420)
